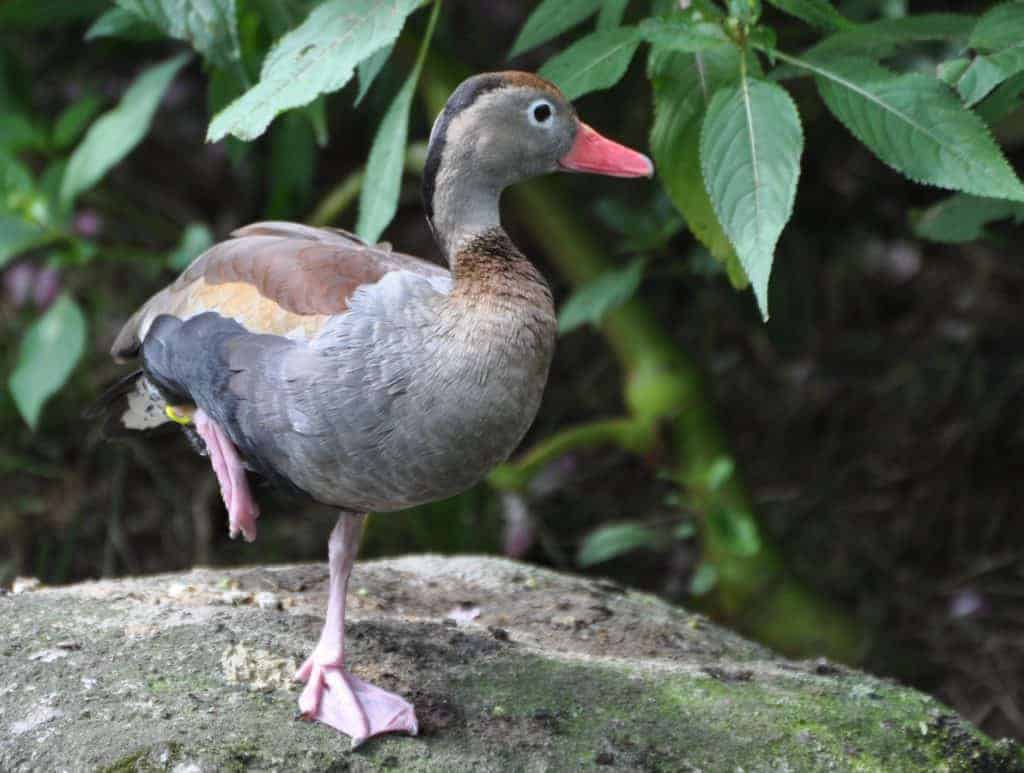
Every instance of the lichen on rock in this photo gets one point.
(549, 672)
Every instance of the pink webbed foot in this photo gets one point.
(234, 485)
(360, 710)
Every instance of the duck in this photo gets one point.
(360, 377)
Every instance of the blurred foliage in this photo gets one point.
(106, 189)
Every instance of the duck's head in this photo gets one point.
(498, 129)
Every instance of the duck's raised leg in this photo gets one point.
(332, 695)
(234, 486)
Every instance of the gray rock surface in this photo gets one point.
(510, 668)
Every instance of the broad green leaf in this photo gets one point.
(746, 11)
(683, 85)
(883, 38)
(49, 352)
(370, 68)
(195, 240)
(704, 579)
(550, 19)
(950, 71)
(378, 200)
(209, 26)
(19, 132)
(595, 62)
(679, 34)
(118, 131)
(917, 126)
(292, 162)
(818, 13)
(1002, 27)
(962, 218)
(612, 541)
(595, 299)
(750, 147)
(611, 13)
(317, 57)
(119, 23)
(17, 236)
(73, 120)
(985, 73)
(1003, 101)
(734, 530)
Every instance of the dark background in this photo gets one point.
(876, 418)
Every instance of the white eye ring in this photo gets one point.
(540, 112)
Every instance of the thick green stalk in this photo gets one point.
(755, 591)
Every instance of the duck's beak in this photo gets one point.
(599, 155)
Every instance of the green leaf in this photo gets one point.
(118, 131)
(817, 13)
(317, 57)
(195, 240)
(612, 541)
(679, 34)
(209, 26)
(594, 300)
(734, 531)
(1003, 101)
(962, 218)
(750, 147)
(883, 38)
(73, 120)
(985, 73)
(611, 14)
(704, 579)
(950, 71)
(595, 62)
(17, 236)
(292, 162)
(119, 23)
(49, 352)
(550, 19)
(917, 126)
(1002, 27)
(370, 68)
(683, 85)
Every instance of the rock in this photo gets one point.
(180, 681)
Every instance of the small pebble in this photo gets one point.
(25, 584)
(178, 589)
(267, 600)
(236, 597)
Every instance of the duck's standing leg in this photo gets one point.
(332, 695)
(234, 486)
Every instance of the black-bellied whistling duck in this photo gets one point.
(363, 378)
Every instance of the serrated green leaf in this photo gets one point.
(209, 26)
(595, 62)
(48, 353)
(550, 19)
(704, 579)
(962, 218)
(1001, 27)
(73, 120)
(370, 68)
(734, 530)
(119, 23)
(883, 38)
(378, 200)
(683, 84)
(750, 147)
(917, 126)
(317, 57)
(591, 302)
(611, 14)
(612, 541)
(117, 132)
(195, 240)
(985, 73)
(682, 35)
(818, 13)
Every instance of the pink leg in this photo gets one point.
(234, 486)
(332, 695)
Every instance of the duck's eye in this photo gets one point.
(540, 112)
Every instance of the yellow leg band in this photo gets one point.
(181, 414)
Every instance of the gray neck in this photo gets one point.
(465, 206)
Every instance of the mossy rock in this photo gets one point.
(190, 672)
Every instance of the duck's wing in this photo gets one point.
(277, 278)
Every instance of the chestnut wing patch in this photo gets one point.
(279, 278)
